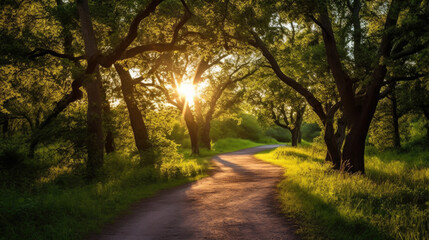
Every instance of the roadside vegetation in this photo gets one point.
(50, 197)
(103, 103)
(58, 203)
(389, 202)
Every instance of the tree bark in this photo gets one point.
(295, 136)
(93, 88)
(205, 134)
(192, 126)
(109, 144)
(357, 31)
(205, 130)
(333, 154)
(338, 138)
(358, 115)
(141, 135)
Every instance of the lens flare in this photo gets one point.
(187, 91)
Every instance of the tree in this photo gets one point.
(91, 78)
(359, 96)
(139, 128)
(285, 107)
(232, 71)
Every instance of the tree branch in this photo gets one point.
(311, 99)
(410, 51)
(318, 23)
(342, 79)
(107, 61)
(182, 22)
(405, 78)
(157, 47)
(38, 52)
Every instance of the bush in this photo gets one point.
(309, 131)
(279, 133)
(179, 135)
(245, 126)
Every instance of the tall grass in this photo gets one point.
(390, 202)
(49, 198)
(61, 205)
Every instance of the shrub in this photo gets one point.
(309, 131)
(245, 126)
(279, 133)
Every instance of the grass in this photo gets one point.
(59, 204)
(233, 144)
(226, 145)
(390, 202)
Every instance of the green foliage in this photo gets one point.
(59, 203)
(309, 131)
(279, 133)
(48, 197)
(62, 206)
(389, 202)
(179, 136)
(232, 144)
(245, 126)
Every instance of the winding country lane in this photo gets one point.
(236, 202)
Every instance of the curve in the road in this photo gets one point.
(238, 201)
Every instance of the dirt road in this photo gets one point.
(236, 202)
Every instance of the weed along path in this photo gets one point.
(238, 201)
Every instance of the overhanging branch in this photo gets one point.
(38, 52)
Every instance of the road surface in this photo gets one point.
(238, 201)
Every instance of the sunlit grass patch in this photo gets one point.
(389, 202)
(233, 144)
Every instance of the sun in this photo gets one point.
(187, 91)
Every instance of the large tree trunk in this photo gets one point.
(192, 126)
(295, 136)
(109, 143)
(354, 146)
(296, 131)
(205, 135)
(358, 113)
(94, 91)
(95, 125)
(141, 135)
(333, 154)
(354, 150)
(338, 138)
(205, 130)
